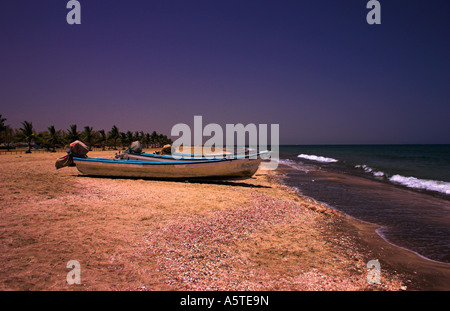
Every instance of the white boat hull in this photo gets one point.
(224, 169)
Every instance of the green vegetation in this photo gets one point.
(53, 138)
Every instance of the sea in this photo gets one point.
(404, 189)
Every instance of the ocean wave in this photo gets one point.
(424, 184)
(316, 158)
(287, 162)
(295, 165)
(378, 174)
(368, 169)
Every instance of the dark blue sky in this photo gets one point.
(314, 67)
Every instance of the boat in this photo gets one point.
(183, 157)
(236, 168)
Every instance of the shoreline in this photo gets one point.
(419, 272)
(136, 234)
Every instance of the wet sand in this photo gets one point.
(419, 272)
(135, 234)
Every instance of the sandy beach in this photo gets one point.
(134, 234)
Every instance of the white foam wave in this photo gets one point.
(316, 158)
(295, 165)
(424, 184)
(368, 169)
(286, 162)
(378, 174)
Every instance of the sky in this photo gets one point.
(316, 68)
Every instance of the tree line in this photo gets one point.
(52, 138)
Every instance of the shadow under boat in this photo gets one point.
(238, 182)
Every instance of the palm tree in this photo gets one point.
(72, 133)
(27, 133)
(123, 139)
(88, 135)
(8, 136)
(42, 139)
(102, 139)
(3, 128)
(154, 138)
(147, 139)
(162, 139)
(2, 124)
(114, 135)
(137, 136)
(54, 136)
(129, 138)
